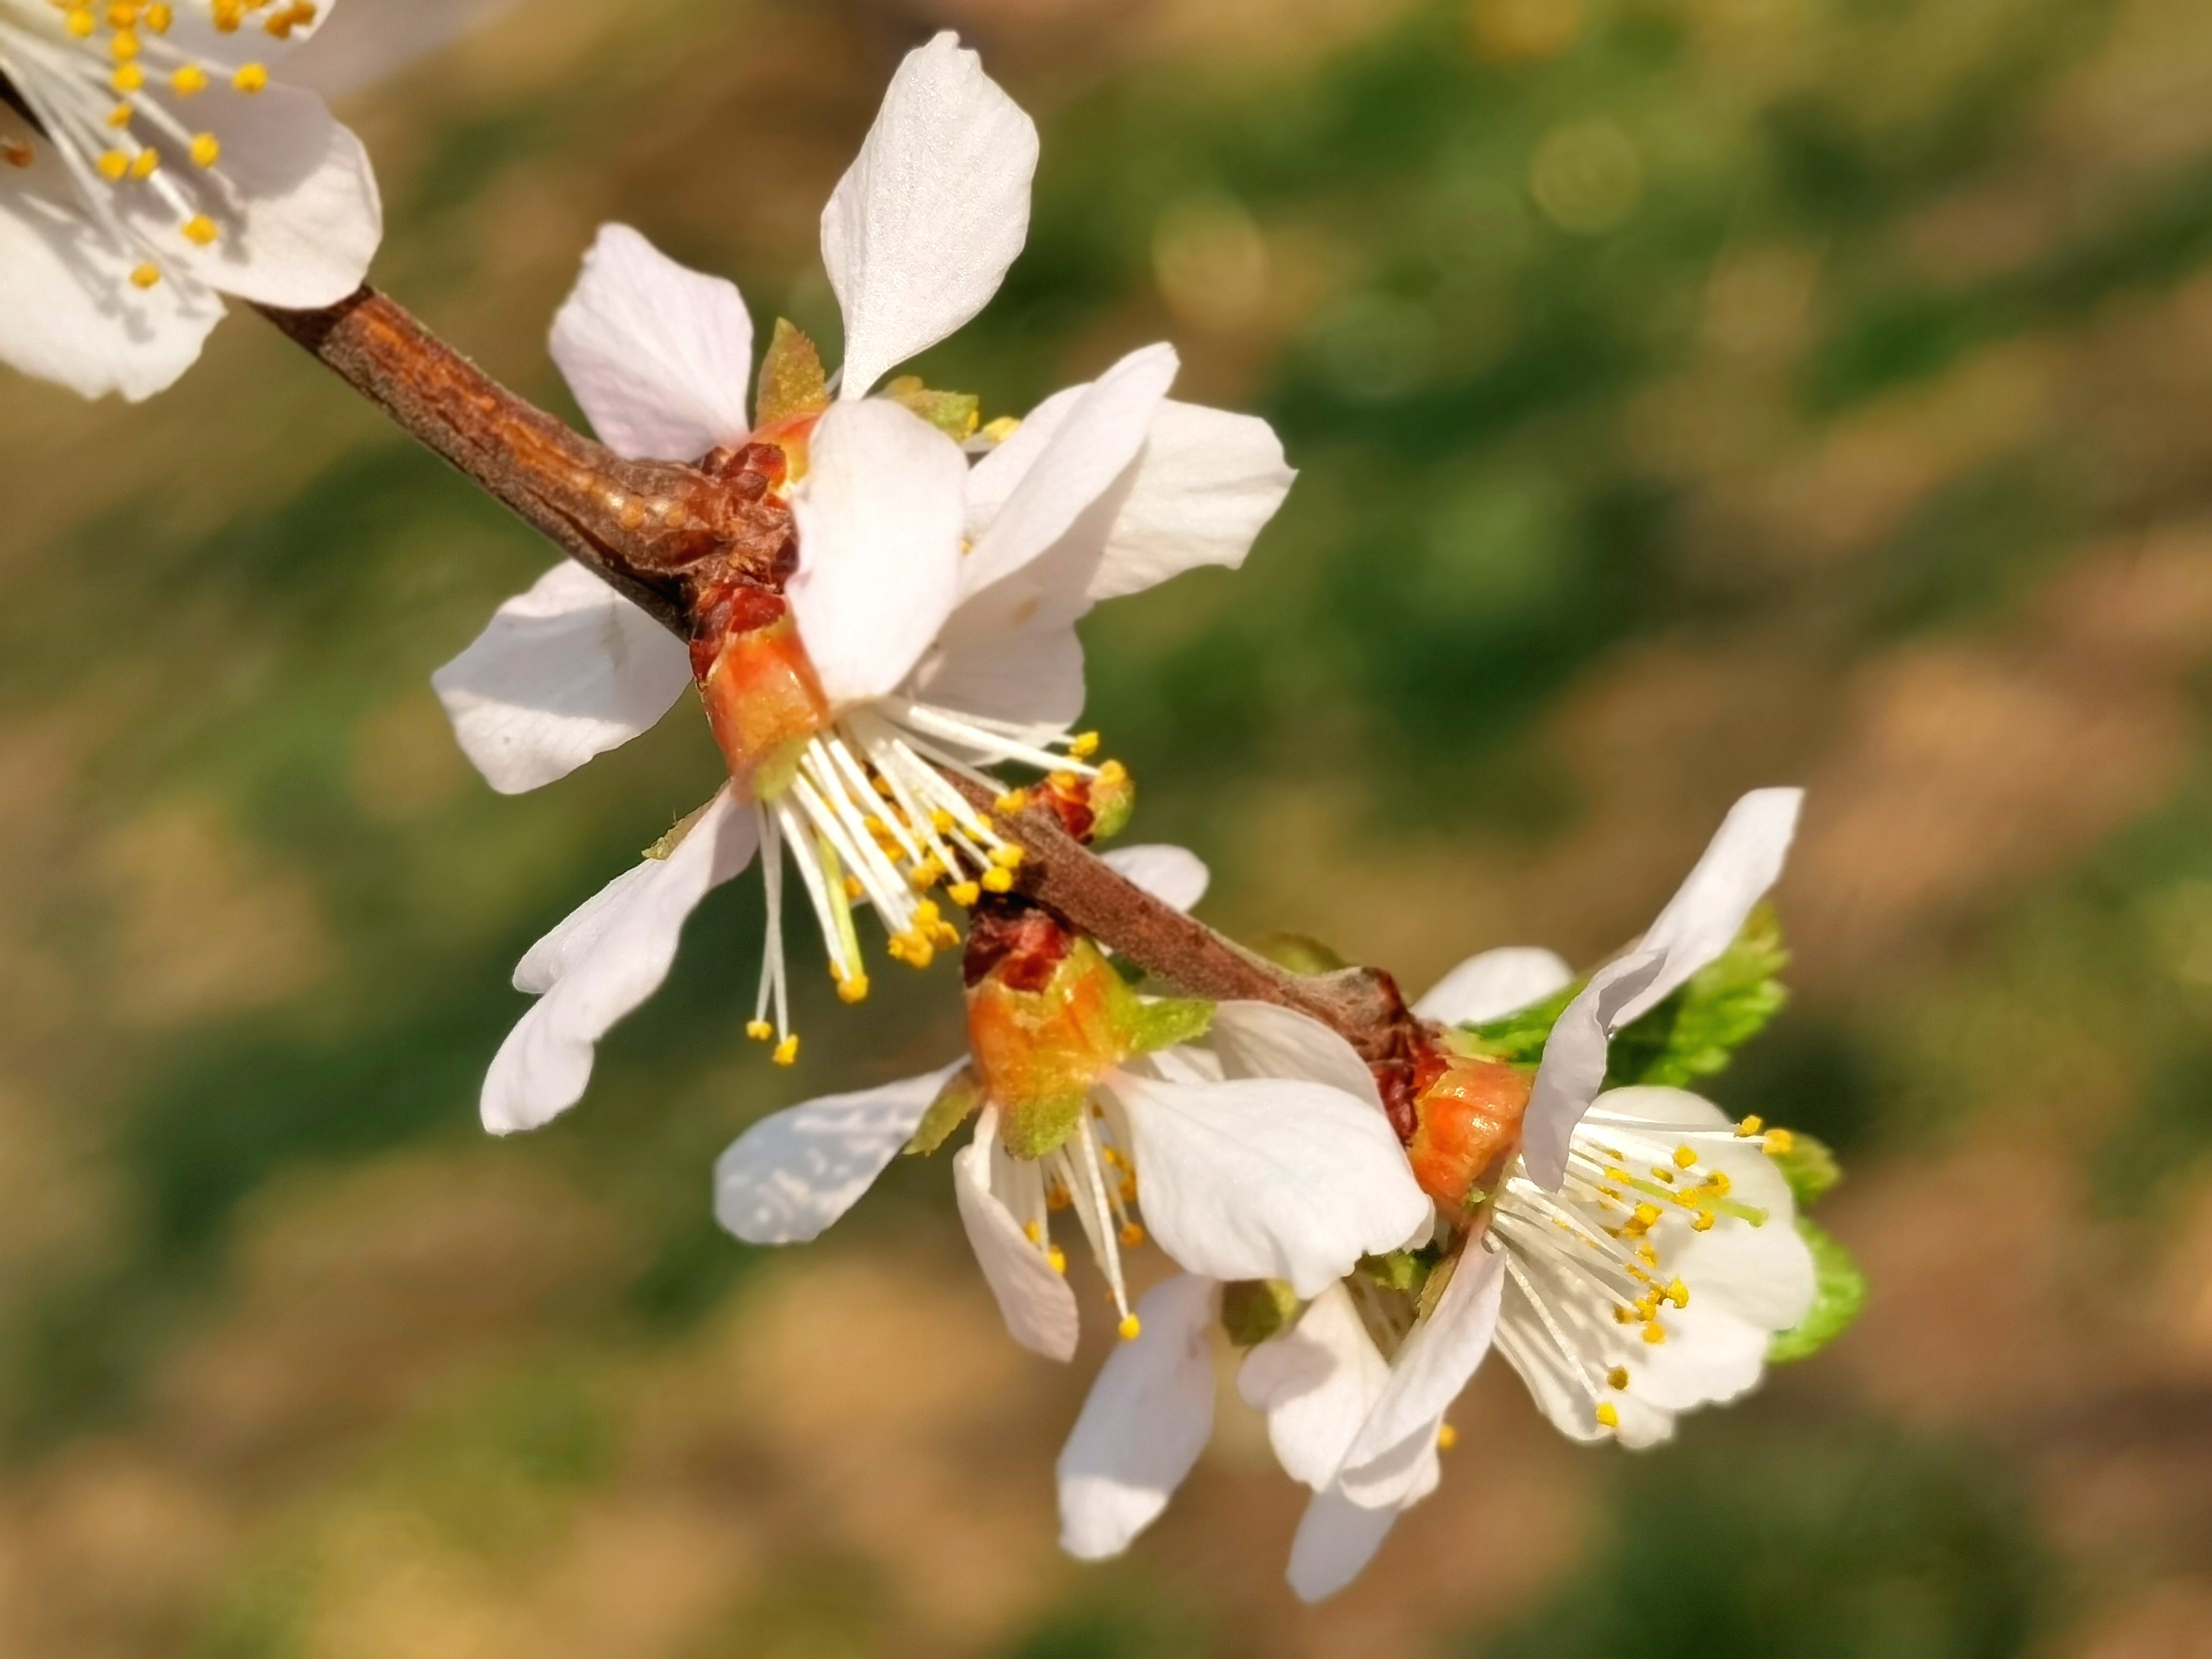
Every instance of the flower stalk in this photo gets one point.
(675, 538)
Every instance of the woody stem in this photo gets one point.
(648, 527)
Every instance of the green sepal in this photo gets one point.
(1693, 1033)
(1161, 1023)
(791, 382)
(1113, 800)
(1301, 953)
(955, 1102)
(1040, 1126)
(1400, 1270)
(955, 414)
(1254, 1310)
(1809, 1166)
(1839, 1292)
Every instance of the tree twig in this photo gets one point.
(652, 528)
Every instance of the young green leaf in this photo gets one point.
(1694, 1032)
(1840, 1292)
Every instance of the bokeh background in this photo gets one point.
(1690, 395)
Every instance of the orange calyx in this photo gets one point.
(1040, 1047)
(1468, 1128)
(763, 701)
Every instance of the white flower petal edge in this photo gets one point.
(659, 356)
(1336, 1540)
(1259, 1178)
(563, 672)
(880, 516)
(608, 967)
(1259, 1040)
(1173, 875)
(1742, 862)
(1090, 445)
(1206, 484)
(919, 231)
(1385, 1460)
(1144, 1425)
(1494, 984)
(1316, 1383)
(791, 1174)
(1035, 1301)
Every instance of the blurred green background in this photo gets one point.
(1690, 395)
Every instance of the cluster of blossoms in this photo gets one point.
(1369, 1231)
(900, 680)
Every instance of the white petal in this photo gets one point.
(1089, 448)
(69, 313)
(1173, 875)
(1426, 1377)
(1258, 1039)
(550, 961)
(1336, 1540)
(1743, 859)
(1573, 1068)
(919, 234)
(1560, 1392)
(542, 1068)
(880, 516)
(303, 220)
(1000, 473)
(1031, 674)
(1145, 1423)
(791, 1174)
(567, 671)
(1205, 486)
(1494, 984)
(1038, 1306)
(1316, 1382)
(1710, 1355)
(1267, 1179)
(659, 356)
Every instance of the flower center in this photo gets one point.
(105, 85)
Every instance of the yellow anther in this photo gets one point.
(1033, 1232)
(1057, 1259)
(145, 277)
(940, 820)
(1131, 1329)
(158, 19)
(1062, 781)
(1647, 1255)
(963, 894)
(120, 116)
(1056, 1197)
(854, 889)
(919, 952)
(128, 77)
(1647, 1215)
(852, 987)
(81, 24)
(1607, 1415)
(200, 230)
(1749, 1126)
(1132, 1234)
(122, 45)
(1447, 1437)
(1779, 1143)
(1684, 1156)
(1720, 1183)
(926, 875)
(1007, 857)
(143, 164)
(998, 880)
(1112, 771)
(190, 79)
(1702, 1222)
(1128, 1190)
(1000, 430)
(251, 77)
(1622, 1315)
(1661, 1172)
(1083, 745)
(113, 164)
(1679, 1294)
(759, 1029)
(1617, 1377)
(207, 148)
(228, 15)
(787, 1051)
(122, 14)
(926, 914)
(1654, 1333)
(1012, 801)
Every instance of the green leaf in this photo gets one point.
(1254, 1310)
(1693, 1033)
(1158, 1022)
(1520, 1035)
(952, 413)
(1809, 1166)
(955, 1104)
(1840, 1292)
(791, 382)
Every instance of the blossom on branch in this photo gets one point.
(148, 165)
(925, 632)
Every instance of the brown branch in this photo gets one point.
(663, 533)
